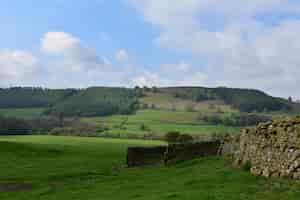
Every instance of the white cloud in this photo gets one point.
(195, 79)
(59, 42)
(72, 64)
(270, 62)
(150, 79)
(17, 67)
(176, 68)
(159, 79)
(74, 56)
(178, 12)
(65, 62)
(122, 56)
(176, 74)
(226, 37)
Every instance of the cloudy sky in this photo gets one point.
(67, 43)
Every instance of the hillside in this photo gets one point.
(97, 101)
(168, 101)
(101, 101)
(244, 100)
(26, 97)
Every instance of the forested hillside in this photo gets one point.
(13, 126)
(102, 101)
(26, 97)
(97, 101)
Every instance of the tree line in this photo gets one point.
(95, 101)
(235, 119)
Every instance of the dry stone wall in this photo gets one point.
(271, 149)
(142, 156)
(183, 152)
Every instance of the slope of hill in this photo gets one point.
(97, 101)
(25, 97)
(168, 101)
(100, 101)
(245, 100)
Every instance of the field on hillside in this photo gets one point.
(168, 101)
(51, 168)
(149, 122)
(159, 112)
(158, 123)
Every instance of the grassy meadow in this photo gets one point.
(156, 122)
(159, 122)
(93, 168)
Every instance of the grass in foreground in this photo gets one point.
(89, 168)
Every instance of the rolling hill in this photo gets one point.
(97, 101)
(27, 97)
(102, 101)
(228, 99)
(245, 100)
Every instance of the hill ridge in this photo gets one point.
(95, 100)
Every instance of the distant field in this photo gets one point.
(24, 113)
(167, 101)
(159, 122)
(156, 122)
(71, 168)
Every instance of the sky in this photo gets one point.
(127, 43)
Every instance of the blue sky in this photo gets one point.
(64, 43)
(104, 25)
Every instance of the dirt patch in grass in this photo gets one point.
(15, 187)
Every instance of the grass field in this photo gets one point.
(156, 122)
(160, 122)
(91, 168)
(23, 113)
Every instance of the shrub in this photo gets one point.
(143, 127)
(171, 137)
(176, 137)
(14, 126)
(185, 138)
(216, 137)
(241, 119)
(101, 129)
(190, 107)
(144, 106)
(155, 89)
(247, 166)
(212, 119)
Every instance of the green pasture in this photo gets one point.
(74, 168)
(159, 122)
